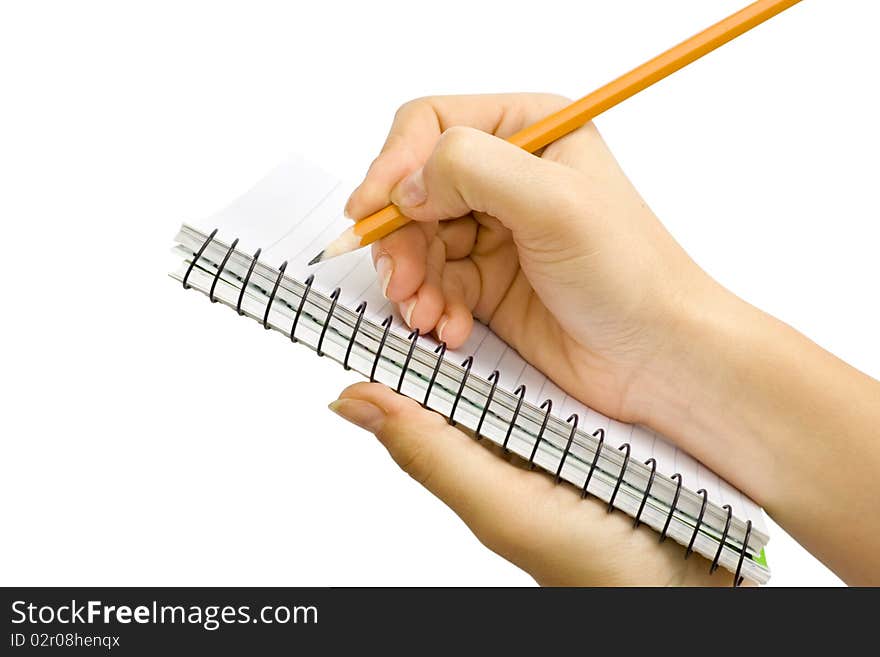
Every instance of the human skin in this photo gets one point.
(559, 250)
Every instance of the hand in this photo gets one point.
(558, 254)
(545, 529)
(558, 251)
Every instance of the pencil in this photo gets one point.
(549, 129)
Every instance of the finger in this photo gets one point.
(470, 171)
(413, 258)
(546, 529)
(461, 290)
(389, 168)
(586, 151)
(459, 236)
(400, 261)
(422, 120)
(424, 308)
(495, 500)
(418, 125)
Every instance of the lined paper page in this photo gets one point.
(297, 209)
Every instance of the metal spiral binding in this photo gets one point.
(573, 419)
(334, 297)
(493, 379)
(362, 306)
(196, 257)
(690, 547)
(247, 278)
(441, 352)
(600, 434)
(548, 405)
(221, 268)
(638, 519)
(624, 447)
(737, 580)
(671, 506)
(414, 338)
(281, 270)
(717, 558)
(521, 393)
(302, 303)
(467, 364)
(387, 324)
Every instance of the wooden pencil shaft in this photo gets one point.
(551, 128)
(577, 114)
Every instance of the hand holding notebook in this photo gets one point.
(484, 386)
(590, 288)
(595, 293)
(592, 266)
(520, 245)
(544, 528)
(718, 394)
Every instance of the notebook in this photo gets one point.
(252, 257)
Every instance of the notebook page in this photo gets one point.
(296, 210)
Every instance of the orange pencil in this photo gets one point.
(378, 225)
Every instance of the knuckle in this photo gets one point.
(418, 462)
(413, 106)
(374, 163)
(525, 536)
(415, 454)
(418, 465)
(501, 540)
(557, 99)
(455, 145)
(572, 193)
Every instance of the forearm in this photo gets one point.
(790, 424)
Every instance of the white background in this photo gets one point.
(149, 437)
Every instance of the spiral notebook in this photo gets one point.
(252, 258)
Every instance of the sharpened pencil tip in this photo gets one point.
(316, 259)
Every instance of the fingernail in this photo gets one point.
(408, 308)
(347, 210)
(385, 267)
(440, 326)
(362, 413)
(411, 192)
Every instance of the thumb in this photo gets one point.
(491, 497)
(545, 529)
(470, 170)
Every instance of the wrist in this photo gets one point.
(695, 389)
